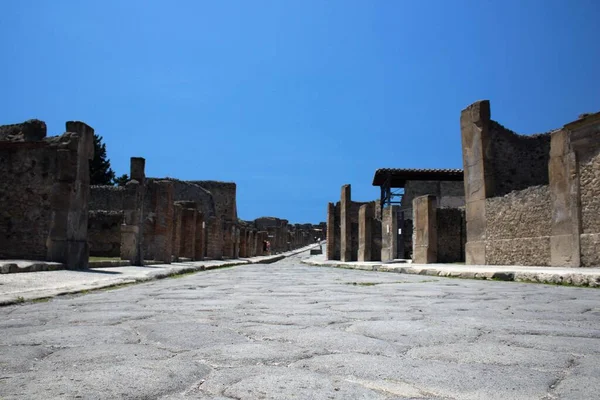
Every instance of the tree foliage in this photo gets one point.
(122, 180)
(100, 171)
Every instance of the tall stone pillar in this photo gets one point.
(474, 126)
(424, 230)
(177, 230)
(389, 234)
(133, 203)
(163, 221)
(188, 239)
(200, 239)
(365, 223)
(236, 242)
(243, 242)
(345, 225)
(214, 232)
(331, 237)
(228, 240)
(252, 243)
(67, 240)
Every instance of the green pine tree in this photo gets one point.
(122, 180)
(100, 171)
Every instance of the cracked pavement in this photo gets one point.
(288, 330)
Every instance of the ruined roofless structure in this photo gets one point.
(49, 211)
(531, 200)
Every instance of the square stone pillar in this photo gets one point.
(345, 225)
(177, 230)
(236, 242)
(389, 234)
(163, 221)
(251, 243)
(476, 150)
(200, 237)
(424, 230)
(228, 238)
(331, 236)
(133, 204)
(365, 222)
(67, 240)
(214, 233)
(243, 243)
(188, 238)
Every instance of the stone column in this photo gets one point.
(345, 225)
(365, 222)
(177, 230)
(331, 237)
(67, 240)
(214, 233)
(565, 248)
(200, 227)
(188, 239)
(389, 234)
(251, 243)
(243, 242)
(163, 224)
(236, 242)
(474, 126)
(227, 240)
(424, 230)
(133, 203)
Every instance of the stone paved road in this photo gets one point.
(287, 330)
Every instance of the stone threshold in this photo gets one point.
(583, 277)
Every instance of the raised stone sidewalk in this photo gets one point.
(21, 287)
(589, 277)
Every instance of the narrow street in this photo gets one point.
(287, 330)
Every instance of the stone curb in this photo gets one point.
(176, 269)
(591, 280)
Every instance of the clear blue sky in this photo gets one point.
(292, 99)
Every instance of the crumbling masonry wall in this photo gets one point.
(531, 200)
(104, 233)
(44, 190)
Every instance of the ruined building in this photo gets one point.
(531, 200)
(48, 211)
(44, 190)
(403, 189)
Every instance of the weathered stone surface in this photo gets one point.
(104, 233)
(331, 231)
(389, 234)
(214, 233)
(365, 225)
(425, 230)
(200, 237)
(188, 238)
(345, 225)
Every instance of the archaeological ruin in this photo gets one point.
(50, 212)
(531, 200)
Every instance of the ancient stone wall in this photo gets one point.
(44, 192)
(519, 227)
(28, 172)
(452, 235)
(449, 194)
(192, 191)
(106, 197)
(104, 233)
(224, 195)
(516, 161)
